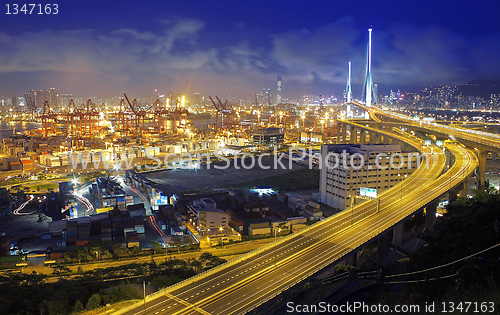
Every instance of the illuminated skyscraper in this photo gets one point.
(278, 91)
(265, 97)
(52, 97)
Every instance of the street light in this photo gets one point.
(278, 230)
(97, 255)
(353, 202)
(144, 294)
(222, 238)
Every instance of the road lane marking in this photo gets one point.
(196, 308)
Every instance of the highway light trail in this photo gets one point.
(155, 225)
(85, 201)
(16, 212)
(152, 217)
(242, 285)
(138, 193)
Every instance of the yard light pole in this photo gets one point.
(275, 231)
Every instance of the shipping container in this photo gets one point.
(104, 209)
(82, 242)
(259, 231)
(279, 216)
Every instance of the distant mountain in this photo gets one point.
(482, 88)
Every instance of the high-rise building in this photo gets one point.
(52, 97)
(375, 93)
(197, 98)
(340, 184)
(14, 102)
(21, 101)
(39, 98)
(265, 97)
(278, 91)
(64, 99)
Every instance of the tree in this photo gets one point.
(176, 242)
(78, 307)
(94, 301)
(60, 269)
(157, 247)
(283, 227)
(209, 261)
(164, 281)
(467, 227)
(188, 241)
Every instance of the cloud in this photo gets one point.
(180, 52)
(403, 54)
(123, 55)
(318, 54)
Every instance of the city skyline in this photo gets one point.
(105, 49)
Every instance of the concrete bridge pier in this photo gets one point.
(449, 159)
(362, 136)
(339, 130)
(352, 259)
(354, 135)
(397, 234)
(494, 156)
(481, 156)
(430, 216)
(383, 249)
(452, 195)
(343, 139)
(371, 135)
(464, 188)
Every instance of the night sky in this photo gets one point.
(103, 48)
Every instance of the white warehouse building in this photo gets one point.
(377, 167)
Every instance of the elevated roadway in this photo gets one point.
(481, 141)
(241, 285)
(488, 140)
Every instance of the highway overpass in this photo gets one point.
(241, 285)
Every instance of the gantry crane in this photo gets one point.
(179, 115)
(91, 118)
(227, 114)
(124, 122)
(48, 117)
(139, 114)
(218, 110)
(160, 116)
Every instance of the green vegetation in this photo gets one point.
(468, 227)
(11, 259)
(44, 187)
(29, 293)
(112, 251)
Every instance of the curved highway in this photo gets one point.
(241, 285)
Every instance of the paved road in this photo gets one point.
(245, 283)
